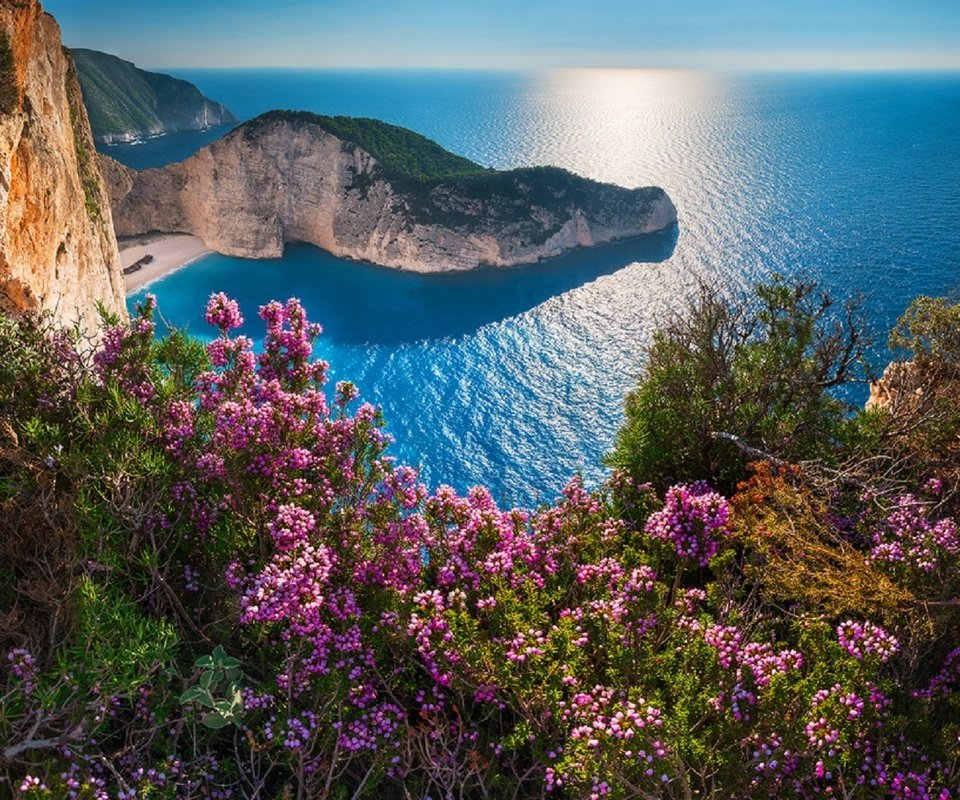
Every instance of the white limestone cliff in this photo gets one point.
(282, 179)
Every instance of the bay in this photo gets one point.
(515, 379)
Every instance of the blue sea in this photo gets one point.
(515, 379)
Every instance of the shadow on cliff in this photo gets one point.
(359, 303)
(363, 304)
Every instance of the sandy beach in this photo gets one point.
(169, 251)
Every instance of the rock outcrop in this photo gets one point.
(57, 246)
(126, 103)
(365, 190)
(900, 379)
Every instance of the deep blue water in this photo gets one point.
(515, 379)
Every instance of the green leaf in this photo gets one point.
(219, 653)
(222, 707)
(192, 694)
(206, 679)
(230, 663)
(204, 662)
(215, 721)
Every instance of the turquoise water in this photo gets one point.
(515, 379)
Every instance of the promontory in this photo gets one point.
(126, 104)
(366, 190)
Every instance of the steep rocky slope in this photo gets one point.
(57, 247)
(126, 103)
(366, 190)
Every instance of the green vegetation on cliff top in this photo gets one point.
(399, 150)
(418, 164)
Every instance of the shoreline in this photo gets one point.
(170, 251)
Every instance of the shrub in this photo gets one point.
(253, 600)
(723, 384)
(922, 408)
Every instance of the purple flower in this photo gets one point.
(223, 313)
(694, 519)
(861, 639)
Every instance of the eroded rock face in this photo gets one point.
(57, 246)
(276, 180)
(901, 382)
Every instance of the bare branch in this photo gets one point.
(750, 450)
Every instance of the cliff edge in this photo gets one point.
(126, 103)
(57, 247)
(366, 190)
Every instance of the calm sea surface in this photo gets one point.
(515, 379)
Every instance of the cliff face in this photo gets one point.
(900, 383)
(57, 247)
(125, 103)
(286, 177)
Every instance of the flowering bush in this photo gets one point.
(693, 520)
(864, 639)
(243, 595)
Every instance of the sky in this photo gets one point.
(695, 34)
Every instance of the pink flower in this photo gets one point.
(223, 312)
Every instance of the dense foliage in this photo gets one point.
(215, 582)
(725, 374)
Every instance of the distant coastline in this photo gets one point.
(127, 105)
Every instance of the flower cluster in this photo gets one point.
(614, 736)
(749, 666)
(24, 667)
(121, 357)
(947, 678)
(908, 536)
(223, 313)
(694, 520)
(435, 644)
(862, 639)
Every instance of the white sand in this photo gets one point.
(169, 251)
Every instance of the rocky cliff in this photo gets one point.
(901, 382)
(125, 103)
(57, 247)
(365, 190)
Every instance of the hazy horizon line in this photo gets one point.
(412, 67)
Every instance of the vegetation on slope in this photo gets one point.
(86, 157)
(122, 99)
(400, 151)
(9, 96)
(215, 582)
(446, 189)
